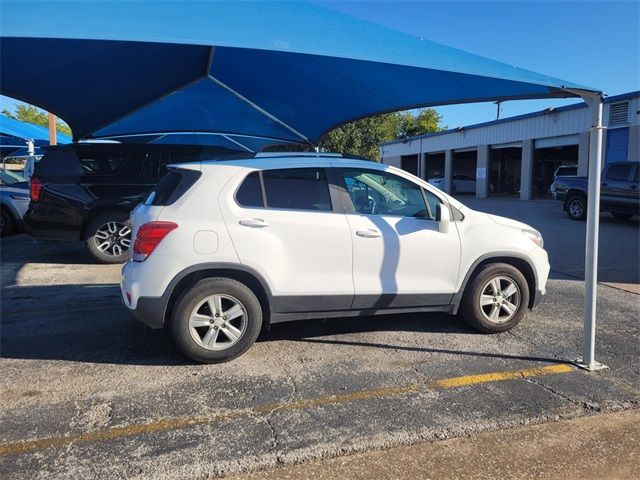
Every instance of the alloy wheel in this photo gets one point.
(500, 299)
(218, 322)
(113, 238)
(576, 207)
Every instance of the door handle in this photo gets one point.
(369, 233)
(633, 187)
(253, 223)
(603, 184)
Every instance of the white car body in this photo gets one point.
(461, 183)
(315, 264)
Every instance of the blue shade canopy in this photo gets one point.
(284, 70)
(13, 131)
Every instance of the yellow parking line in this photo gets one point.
(499, 376)
(183, 422)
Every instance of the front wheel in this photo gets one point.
(496, 300)
(216, 320)
(577, 207)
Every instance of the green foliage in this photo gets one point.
(31, 114)
(363, 136)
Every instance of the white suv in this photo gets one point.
(223, 249)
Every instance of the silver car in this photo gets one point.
(14, 201)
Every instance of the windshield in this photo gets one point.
(9, 178)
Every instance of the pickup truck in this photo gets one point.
(619, 191)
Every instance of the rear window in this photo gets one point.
(172, 186)
(619, 172)
(250, 192)
(102, 162)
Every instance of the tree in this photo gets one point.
(31, 114)
(362, 137)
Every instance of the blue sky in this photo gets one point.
(594, 43)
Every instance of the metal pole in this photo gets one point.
(52, 130)
(588, 360)
(30, 164)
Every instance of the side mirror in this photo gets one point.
(443, 217)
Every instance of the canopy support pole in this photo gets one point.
(52, 130)
(588, 361)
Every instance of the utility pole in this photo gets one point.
(52, 129)
(498, 109)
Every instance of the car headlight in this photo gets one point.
(559, 187)
(535, 237)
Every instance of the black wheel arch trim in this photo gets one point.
(498, 257)
(156, 315)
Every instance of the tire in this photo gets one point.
(6, 223)
(481, 290)
(112, 229)
(577, 207)
(621, 215)
(207, 329)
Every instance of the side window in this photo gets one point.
(102, 162)
(250, 192)
(297, 189)
(380, 193)
(618, 172)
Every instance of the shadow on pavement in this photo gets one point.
(87, 323)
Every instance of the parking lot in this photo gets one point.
(88, 392)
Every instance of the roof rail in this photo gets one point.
(296, 154)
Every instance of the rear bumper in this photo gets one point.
(47, 230)
(149, 310)
(147, 299)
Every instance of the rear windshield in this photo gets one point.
(172, 186)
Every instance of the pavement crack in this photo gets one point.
(275, 441)
(585, 405)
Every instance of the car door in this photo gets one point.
(615, 188)
(283, 224)
(400, 259)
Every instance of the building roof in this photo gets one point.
(574, 106)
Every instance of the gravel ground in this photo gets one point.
(99, 395)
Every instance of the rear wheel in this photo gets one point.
(109, 237)
(622, 216)
(216, 320)
(577, 207)
(496, 300)
(6, 223)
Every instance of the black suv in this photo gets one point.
(85, 191)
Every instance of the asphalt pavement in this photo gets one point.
(85, 391)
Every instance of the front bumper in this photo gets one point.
(542, 268)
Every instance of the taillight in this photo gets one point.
(35, 187)
(148, 237)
